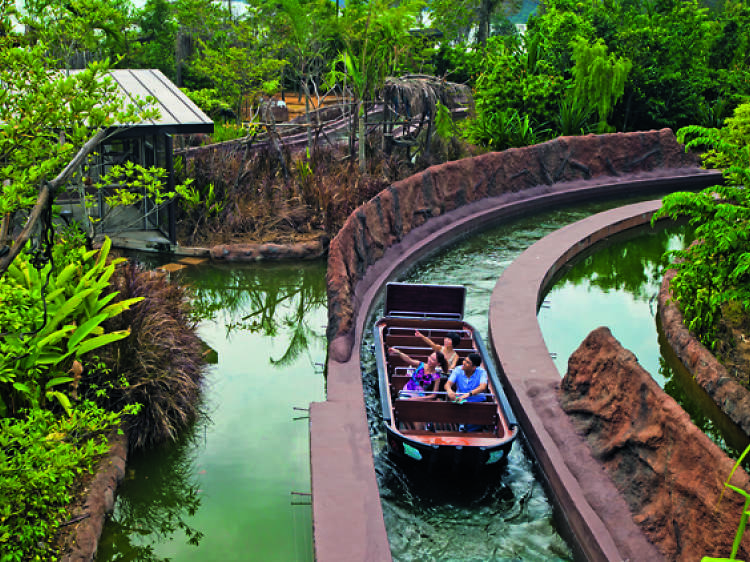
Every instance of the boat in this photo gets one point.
(432, 435)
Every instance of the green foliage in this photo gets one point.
(573, 118)
(742, 525)
(501, 130)
(458, 18)
(729, 148)
(514, 96)
(39, 346)
(239, 63)
(716, 270)
(598, 79)
(166, 384)
(42, 457)
(76, 30)
(209, 100)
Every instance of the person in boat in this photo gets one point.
(450, 342)
(425, 377)
(470, 380)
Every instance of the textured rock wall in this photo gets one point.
(669, 472)
(81, 539)
(724, 390)
(407, 204)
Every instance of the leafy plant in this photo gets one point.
(501, 130)
(166, 384)
(743, 517)
(42, 456)
(715, 270)
(42, 337)
(598, 79)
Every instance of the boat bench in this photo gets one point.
(451, 413)
(412, 341)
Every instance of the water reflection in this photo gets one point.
(232, 488)
(636, 268)
(252, 300)
(616, 284)
(159, 512)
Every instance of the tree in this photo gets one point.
(239, 62)
(78, 31)
(309, 29)
(458, 18)
(50, 121)
(371, 31)
(598, 79)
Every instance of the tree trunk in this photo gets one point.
(362, 138)
(485, 10)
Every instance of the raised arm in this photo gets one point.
(404, 356)
(428, 341)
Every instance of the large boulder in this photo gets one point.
(670, 473)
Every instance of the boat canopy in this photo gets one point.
(433, 301)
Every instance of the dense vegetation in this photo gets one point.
(85, 341)
(712, 284)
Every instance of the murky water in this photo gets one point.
(235, 486)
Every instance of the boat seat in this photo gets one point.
(440, 412)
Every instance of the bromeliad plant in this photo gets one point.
(36, 364)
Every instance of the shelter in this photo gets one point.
(149, 143)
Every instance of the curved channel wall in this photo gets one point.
(412, 219)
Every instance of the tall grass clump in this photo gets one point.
(160, 365)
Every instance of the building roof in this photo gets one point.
(179, 114)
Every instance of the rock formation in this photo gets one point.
(670, 473)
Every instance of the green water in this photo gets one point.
(616, 285)
(512, 519)
(235, 484)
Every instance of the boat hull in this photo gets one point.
(432, 434)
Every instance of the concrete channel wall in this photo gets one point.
(404, 224)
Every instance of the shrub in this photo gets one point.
(41, 459)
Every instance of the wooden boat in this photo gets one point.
(442, 444)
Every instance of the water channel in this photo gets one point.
(234, 487)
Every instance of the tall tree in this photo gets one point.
(78, 31)
(50, 121)
(457, 19)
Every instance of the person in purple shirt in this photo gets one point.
(470, 380)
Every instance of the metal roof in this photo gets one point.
(179, 114)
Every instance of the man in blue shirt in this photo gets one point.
(470, 380)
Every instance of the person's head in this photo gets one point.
(471, 362)
(452, 339)
(437, 359)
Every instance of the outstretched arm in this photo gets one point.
(404, 356)
(428, 341)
